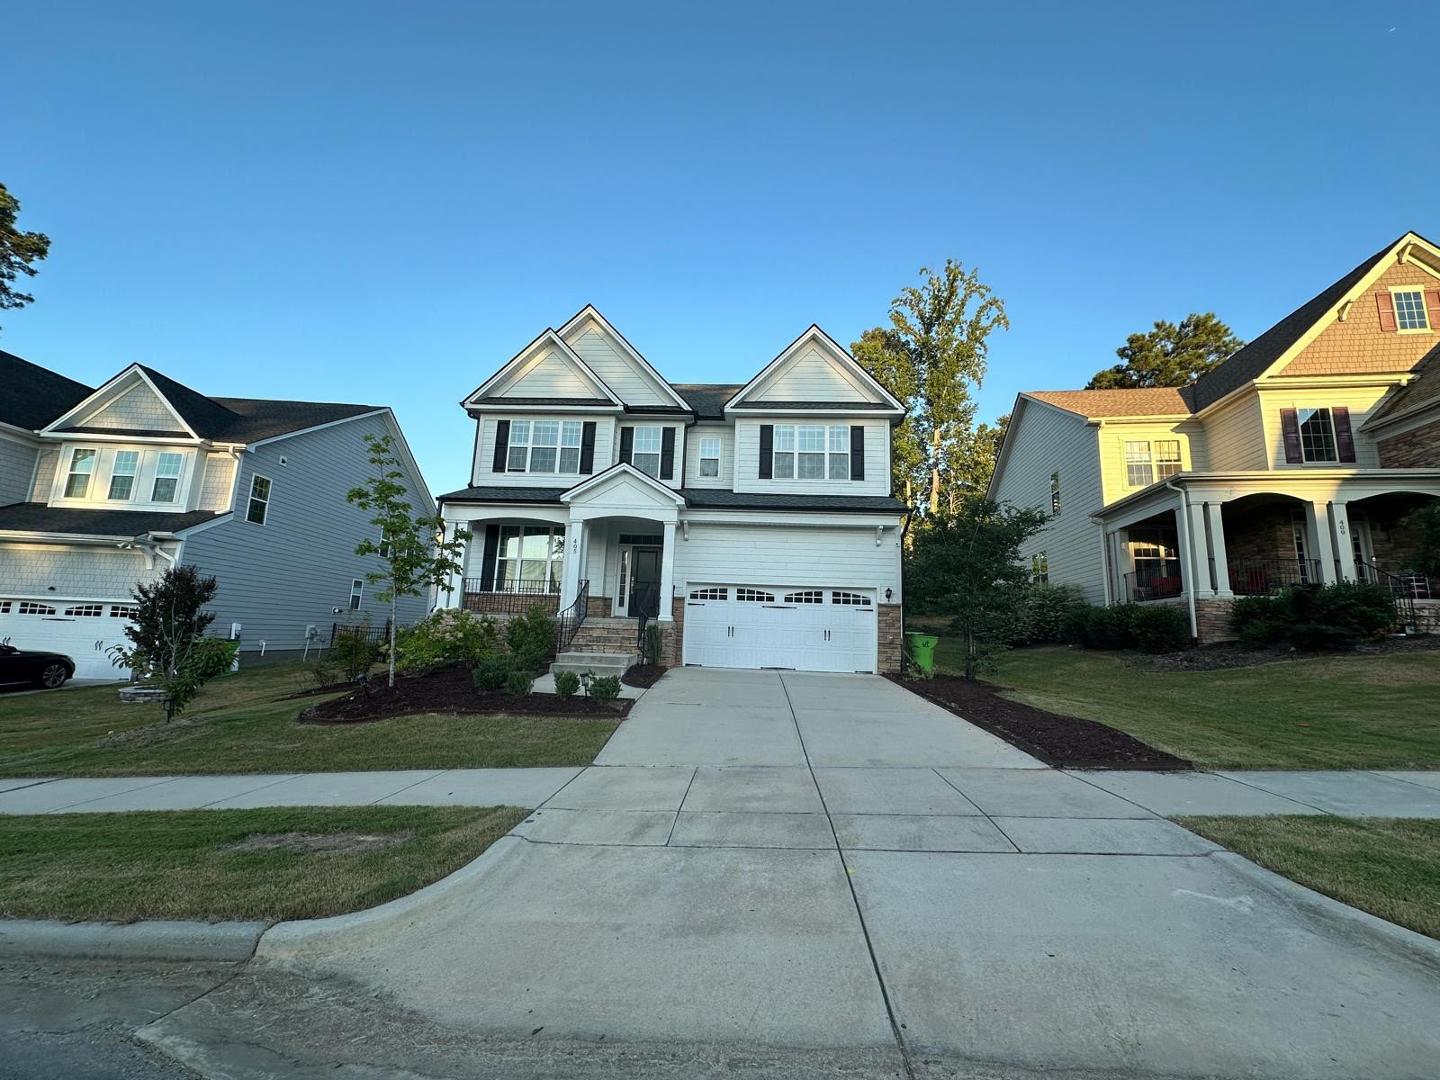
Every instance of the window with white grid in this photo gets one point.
(1138, 472)
(1410, 309)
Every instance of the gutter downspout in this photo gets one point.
(1192, 575)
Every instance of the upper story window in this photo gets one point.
(710, 455)
(544, 446)
(1410, 309)
(811, 452)
(82, 466)
(645, 452)
(167, 477)
(1147, 461)
(258, 508)
(1317, 435)
(122, 474)
(1055, 493)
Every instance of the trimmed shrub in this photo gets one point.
(566, 683)
(1044, 612)
(652, 644)
(1316, 618)
(444, 637)
(518, 682)
(531, 637)
(1160, 628)
(492, 671)
(1154, 628)
(605, 689)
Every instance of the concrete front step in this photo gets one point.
(599, 664)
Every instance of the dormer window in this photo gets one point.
(82, 467)
(1410, 309)
(122, 474)
(167, 477)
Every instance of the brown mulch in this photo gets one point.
(1219, 657)
(1066, 742)
(643, 675)
(451, 690)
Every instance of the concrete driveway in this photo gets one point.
(776, 861)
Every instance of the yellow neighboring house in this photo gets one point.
(1294, 461)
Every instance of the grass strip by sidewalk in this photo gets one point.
(1389, 867)
(224, 864)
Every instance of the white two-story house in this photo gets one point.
(753, 522)
(1294, 461)
(102, 489)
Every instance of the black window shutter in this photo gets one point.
(1290, 428)
(487, 558)
(502, 445)
(857, 451)
(767, 450)
(627, 444)
(1344, 437)
(587, 448)
(667, 453)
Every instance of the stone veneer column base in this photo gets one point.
(890, 627)
(1212, 617)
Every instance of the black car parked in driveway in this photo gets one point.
(46, 669)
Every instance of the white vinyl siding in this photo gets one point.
(610, 364)
(796, 556)
(17, 466)
(75, 572)
(1360, 400)
(137, 409)
(810, 376)
(216, 482)
(1235, 436)
(697, 435)
(877, 459)
(1045, 440)
(551, 375)
(677, 473)
(1149, 441)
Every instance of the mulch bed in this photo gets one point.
(1220, 657)
(451, 690)
(1066, 742)
(643, 675)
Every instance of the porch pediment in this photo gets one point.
(625, 490)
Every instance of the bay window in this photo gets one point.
(167, 477)
(82, 465)
(122, 474)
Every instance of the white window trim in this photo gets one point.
(658, 453)
(1424, 309)
(250, 497)
(826, 453)
(133, 474)
(1152, 461)
(357, 593)
(90, 477)
(141, 490)
(559, 446)
(552, 560)
(719, 444)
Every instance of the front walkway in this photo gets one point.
(777, 860)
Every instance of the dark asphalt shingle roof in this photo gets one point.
(505, 495)
(37, 517)
(820, 406)
(716, 499)
(707, 399)
(254, 419)
(32, 396)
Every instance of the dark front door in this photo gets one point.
(645, 582)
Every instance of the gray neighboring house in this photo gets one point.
(101, 489)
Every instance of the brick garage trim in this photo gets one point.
(889, 632)
(1212, 617)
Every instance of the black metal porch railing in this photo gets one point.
(375, 635)
(1403, 591)
(508, 597)
(569, 621)
(1157, 584)
(1261, 576)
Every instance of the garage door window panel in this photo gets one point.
(754, 596)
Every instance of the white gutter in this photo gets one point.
(1192, 575)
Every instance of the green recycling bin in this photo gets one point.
(922, 651)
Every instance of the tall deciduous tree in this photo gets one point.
(933, 353)
(1170, 354)
(19, 251)
(413, 549)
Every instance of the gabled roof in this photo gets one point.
(623, 471)
(199, 412)
(550, 337)
(128, 524)
(34, 396)
(590, 311)
(1098, 404)
(848, 362)
(1420, 392)
(707, 400)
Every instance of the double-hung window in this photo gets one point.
(258, 508)
(645, 451)
(811, 452)
(544, 446)
(710, 455)
(122, 474)
(357, 593)
(1167, 458)
(1410, 309)
(1146, 461)
(167, 477)
(82, 466)
(1317, 435)
(529, 558)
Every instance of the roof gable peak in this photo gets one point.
(839, 358)
(524, 361)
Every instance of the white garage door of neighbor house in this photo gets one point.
(761, 626)
(83, 631)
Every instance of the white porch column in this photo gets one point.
(1317, 516)
(667, 575)
(1120, 552)
(1344, 544)
(574, 561)
(1217, 551)
(455, 597)
(1201, 548)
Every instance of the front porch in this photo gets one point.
(1212, 538)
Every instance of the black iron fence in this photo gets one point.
(1404, 591)
(508, 597)
(1262, 576)
(375, 635)
(1154, 584)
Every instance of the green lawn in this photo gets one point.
(1343, 712)
(1389, 867)
(207, 864)
(246, 723)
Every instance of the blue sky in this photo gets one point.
(383, 202)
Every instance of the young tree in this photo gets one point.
(930, 357)
(967, 565)
(18, 251)
(168, 646)
(413, 548)
(1169, 355)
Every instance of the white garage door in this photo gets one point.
(762, 626)
(83, 631)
